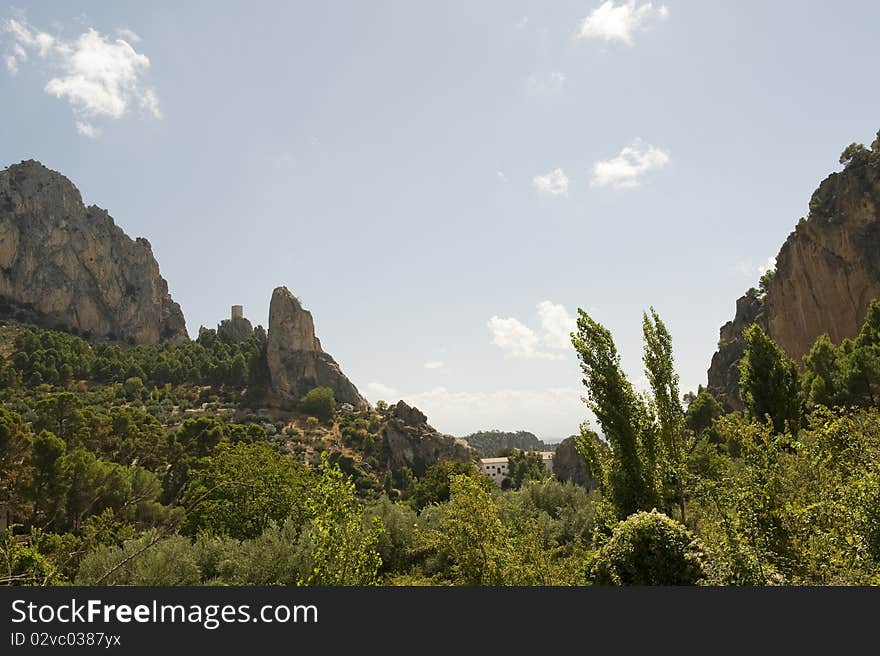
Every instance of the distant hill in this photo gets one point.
(491, 443)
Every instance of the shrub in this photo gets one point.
(319, 403)
(650, 549)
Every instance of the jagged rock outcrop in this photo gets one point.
(827, 272)
(409, 441)
(296, 361)
(235, 329)
(64, 265)
(569, 465)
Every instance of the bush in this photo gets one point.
(650, 549)
(319, 403)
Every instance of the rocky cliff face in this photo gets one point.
(296, 361)
(409, 441)
(569, 465)
(827, 272)
(68, 266)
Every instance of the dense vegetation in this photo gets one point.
(160, 465)
(494, 443)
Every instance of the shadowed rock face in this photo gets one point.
(409, 441)
(68, 266)
(296, 361)
(827, 272)
(569, 465)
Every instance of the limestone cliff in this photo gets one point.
(827, 272)
(296, 361)
(68, 266)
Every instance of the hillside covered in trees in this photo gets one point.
(150, 465)
(494, 442)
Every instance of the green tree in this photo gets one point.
(242, 487)
(660, 371)
(319, 403)
(434, 486)
(15, 463)
(623, 417)
(702, 410)
(49, 485)
(344, 546)
(525, 466)
(854, 154)
(769, 381)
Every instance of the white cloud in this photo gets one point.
(520, 342)
(539, 84)
(768, 266)
(517, 340)
(556, 324)
(613, 22)
(501, 177)
(748, 269)
(128, 35)
(86, 129)
(97, 76)
(627, 168)
(554, 183)
(150, 103)
(378, 391)
(433, 364)
(522, 23)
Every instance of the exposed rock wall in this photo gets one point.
(68, 266)
(296, 361)
(827, 272)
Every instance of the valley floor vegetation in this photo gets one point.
(158, 465)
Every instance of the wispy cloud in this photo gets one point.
(99, 77)
(748, 268)
(627, 169)
(619, 22)
(769, 265)
(128, 35)
(434, 364)
(377, 391)
(541, 84)
(554, 183)
(462, 412)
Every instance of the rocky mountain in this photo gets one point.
(409, 441)
(827, 272)
(296, 361)
(68, 266)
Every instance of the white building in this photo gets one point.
(498, 468)
(495, 468)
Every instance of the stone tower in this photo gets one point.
(237, 312)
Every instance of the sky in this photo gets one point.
(445, 184)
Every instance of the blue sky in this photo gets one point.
(444, 184)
